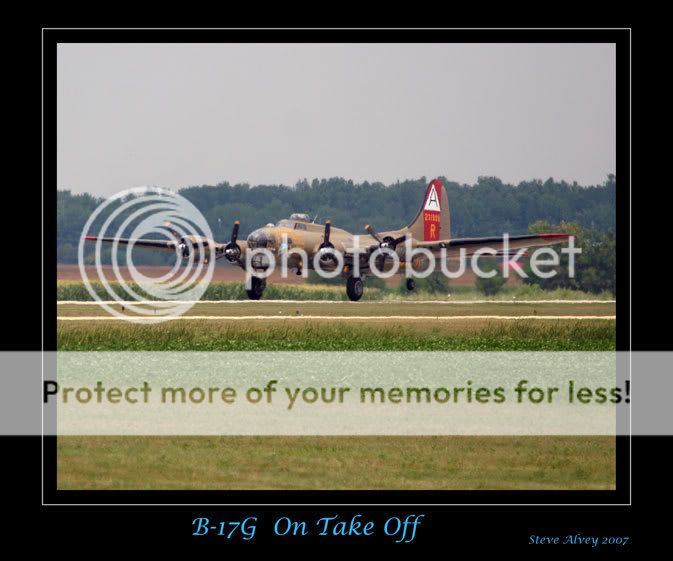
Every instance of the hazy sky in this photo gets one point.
(178, 115)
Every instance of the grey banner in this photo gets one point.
(336, 393)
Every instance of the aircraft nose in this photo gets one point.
(260, 238)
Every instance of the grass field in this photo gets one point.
(478, 462)
(432, 462)
(218, 290)
(467, 335)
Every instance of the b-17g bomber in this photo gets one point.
(299, 245)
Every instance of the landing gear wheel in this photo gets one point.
(411, 285)
(256, 288)
(355, 288)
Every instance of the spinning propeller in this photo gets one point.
(387, 243)
(232, 251)
(326, 248)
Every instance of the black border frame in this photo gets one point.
(620, 37)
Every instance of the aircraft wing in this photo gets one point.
(153, 244)
(171, 245)
(496, 243)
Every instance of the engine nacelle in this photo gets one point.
(326, 253)
(195, 245)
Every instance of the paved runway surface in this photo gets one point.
(354, 311)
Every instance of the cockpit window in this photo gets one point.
(300, 216)
(299, 226)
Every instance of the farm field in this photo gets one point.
(224, 273)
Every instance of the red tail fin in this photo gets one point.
(432, 222)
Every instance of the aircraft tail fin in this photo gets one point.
(432, 223)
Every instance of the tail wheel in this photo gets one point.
(355, 288)
(256, 288)
(411, 284)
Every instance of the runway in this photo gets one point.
(348, 326)
(406, 310)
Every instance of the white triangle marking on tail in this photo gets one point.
(432, 201)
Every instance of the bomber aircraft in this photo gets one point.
(429, 230)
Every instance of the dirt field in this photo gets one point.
(230, 273)
(224, 272)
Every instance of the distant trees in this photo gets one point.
(595, 267)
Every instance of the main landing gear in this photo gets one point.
(411, 284)
(355, 288)
(257, 287)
